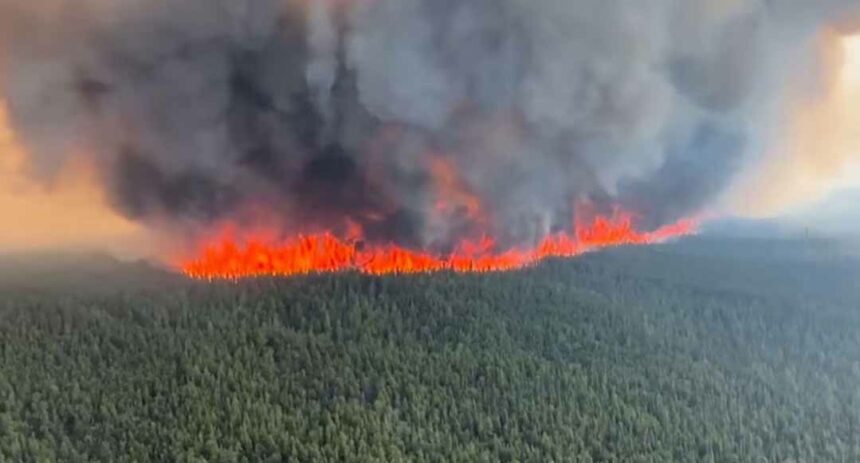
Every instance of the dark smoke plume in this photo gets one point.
(312, 111)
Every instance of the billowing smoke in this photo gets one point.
(307, 112)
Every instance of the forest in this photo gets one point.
(706, 350)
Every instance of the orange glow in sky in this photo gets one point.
(851, 83)
(818, 148)
(851, 69)
(71, 212)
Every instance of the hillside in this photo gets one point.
(71, 273)
(704, 350)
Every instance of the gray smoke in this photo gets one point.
(313, 111)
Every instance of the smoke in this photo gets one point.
(307, 112)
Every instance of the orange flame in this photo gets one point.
(225, 258)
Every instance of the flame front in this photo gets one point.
(227, 257)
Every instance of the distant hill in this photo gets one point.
(736, 227)
(837, 215)
(78, 273)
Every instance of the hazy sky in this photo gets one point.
(817, 149)
(69, 213)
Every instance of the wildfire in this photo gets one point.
(227, 257)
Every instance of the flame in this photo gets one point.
(228, 257)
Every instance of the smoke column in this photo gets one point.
(311, 113)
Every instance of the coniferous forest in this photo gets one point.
(700, 351)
